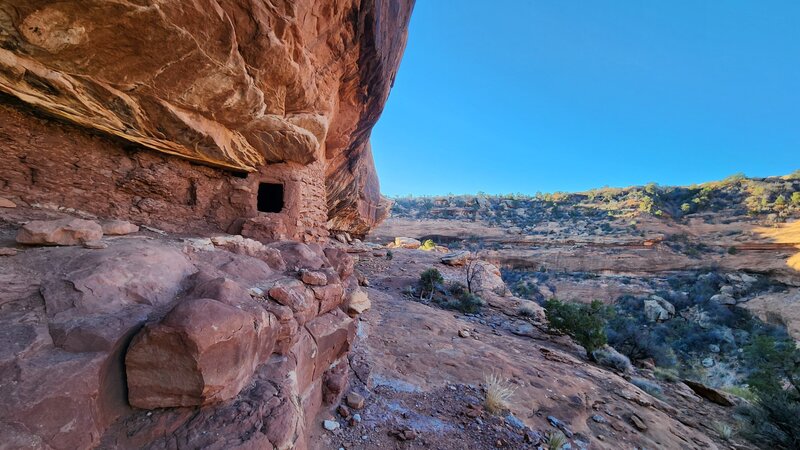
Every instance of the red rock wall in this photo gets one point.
(235, 83)
(43, 161)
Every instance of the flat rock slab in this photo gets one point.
(456, 258)
(118, 227)
(59, 232)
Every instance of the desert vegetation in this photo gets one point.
(432, 288)
(762, 361)
(777, 197)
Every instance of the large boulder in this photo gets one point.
(204, 351)
(656, 309)
(458, 258)
(297, 296)
(710, 394)
(97, 298)
(68, 231)
(406, 242)
(485, 279)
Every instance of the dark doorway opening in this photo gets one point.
(270, 197)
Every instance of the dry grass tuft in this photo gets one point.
(723, 430)
(555, 440)
(498, 393)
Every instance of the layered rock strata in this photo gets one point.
(286, 91)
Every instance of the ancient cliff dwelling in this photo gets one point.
(180, 130)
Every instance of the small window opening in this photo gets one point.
(270, 197)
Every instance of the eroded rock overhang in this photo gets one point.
(233, 84)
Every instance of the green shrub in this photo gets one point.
(774, 420)
(584, 323)
(796, 198)
(460, 299)
(429, 280)
(742, 392)
(669, 375)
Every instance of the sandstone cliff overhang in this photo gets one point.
(236, 84)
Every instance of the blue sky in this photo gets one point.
(530, 95)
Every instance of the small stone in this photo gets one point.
(314, 278)
(707, 362)
(599, 419)
(560, 425)
(355, 400)
(638, 423)
(514, 421)
(8, 251)
(357, 418)
(463, 333)
(713, 348)
(343, 411)
(6, 203)
(404, 434)
(95, 245)
(330, 425)
(723, 299)
(473, 413)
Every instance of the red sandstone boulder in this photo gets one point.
(204, 351)
(98, 297)
(266, 228)
(244, 246)
(314, 278)
(330, 297)
(342, 263)
(714, 395)
(299, 256)
(333, 334)
(59, 232)
(63, 415)
(294, 294)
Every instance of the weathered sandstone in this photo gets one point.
(287, 91)
(113, 348)
(59, 232)
(204, 351)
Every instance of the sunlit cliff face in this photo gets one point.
(788, 233)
